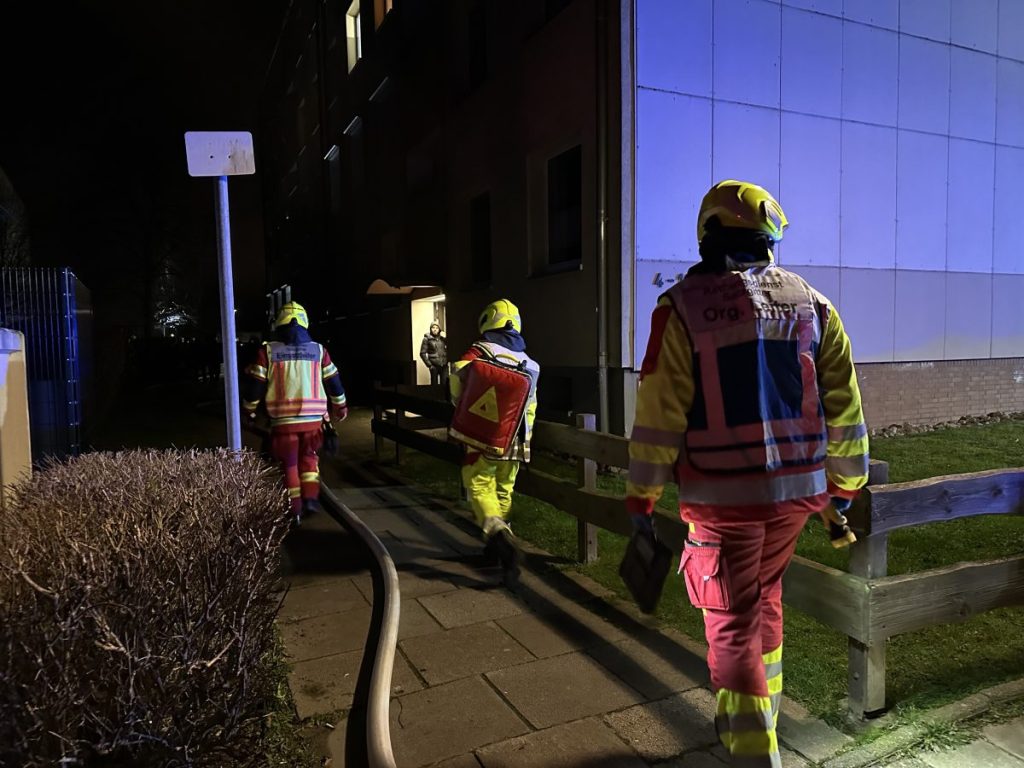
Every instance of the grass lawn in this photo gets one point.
(924, 669)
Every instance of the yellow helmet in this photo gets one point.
(500, 314)
(742, 205)
(292, 311)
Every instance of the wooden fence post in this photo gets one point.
(869, 559)
(586, 533)
(378, 415)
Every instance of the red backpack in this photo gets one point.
(490, 410)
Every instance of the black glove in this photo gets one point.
(330, 443)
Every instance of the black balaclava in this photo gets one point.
(726, 249)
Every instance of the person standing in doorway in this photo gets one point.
(749, 401)
(434, 354)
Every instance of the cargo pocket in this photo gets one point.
(701, 566)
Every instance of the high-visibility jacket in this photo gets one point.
(297, 381)
(520, 449)
(748, 399)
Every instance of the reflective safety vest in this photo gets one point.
(756, 432)
(493, 414)
(295, 392)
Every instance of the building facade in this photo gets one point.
(430, 157)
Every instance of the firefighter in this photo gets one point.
(749, 400)
(495, 383)
(297, 380)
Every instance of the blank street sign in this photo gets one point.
(219, 153)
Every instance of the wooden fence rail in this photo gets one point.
(865, 604)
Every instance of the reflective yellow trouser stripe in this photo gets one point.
(489, 485)
(746, 727)
(294, 493)
(773, 674)
(309, 477)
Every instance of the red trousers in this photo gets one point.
(754, 556)
(297, 452)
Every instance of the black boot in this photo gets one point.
(504, 545)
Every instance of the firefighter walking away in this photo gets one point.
(494, 389)
(294, 375)
(749, 401)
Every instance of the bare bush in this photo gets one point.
(137, 610)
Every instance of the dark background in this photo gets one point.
(97, 95)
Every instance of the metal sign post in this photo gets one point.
(223, 154)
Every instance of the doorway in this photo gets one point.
(425, 311)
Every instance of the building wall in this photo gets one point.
(377, 162)
(933, 392)
(892, 133)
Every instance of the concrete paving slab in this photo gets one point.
(582, 744)
(325, 635)
(665, 729)
(908, 762)
(410, 584)
(413, 620)
(403, 552)
(444, 656)
(561, 629)
(327, 684)
(470, 606)
(807, 735)
(654, 664)
(462, 761)
(327, 596)
(448, 721)
(562, 688)
(977, 754)
(699, 760)
(1008, 736)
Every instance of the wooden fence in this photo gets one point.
(864, 604)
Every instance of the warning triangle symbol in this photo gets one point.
(486, 407)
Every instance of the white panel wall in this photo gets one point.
(892, 132)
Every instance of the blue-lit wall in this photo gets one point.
(892, 133)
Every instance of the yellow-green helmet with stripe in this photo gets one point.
(292, 311)
(499, 315)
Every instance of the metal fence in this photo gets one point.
(45, 304)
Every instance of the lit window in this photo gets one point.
(354, 34)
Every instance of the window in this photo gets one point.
(565, 207)
(354, 34)
(477, 25)
(480, 239)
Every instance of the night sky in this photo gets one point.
(97, 95)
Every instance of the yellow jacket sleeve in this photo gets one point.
(846, 462)
(663, 402)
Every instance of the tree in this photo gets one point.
(14, 235)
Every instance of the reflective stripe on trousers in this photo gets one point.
(746, 728)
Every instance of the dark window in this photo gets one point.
(480, 239)
(565, 207)
(553, 7)
(477, 23)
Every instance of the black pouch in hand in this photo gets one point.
(644, 568)
(330, 435)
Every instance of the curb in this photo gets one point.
(904, 737)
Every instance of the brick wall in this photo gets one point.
(930, 392)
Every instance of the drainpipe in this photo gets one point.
(601, 71)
